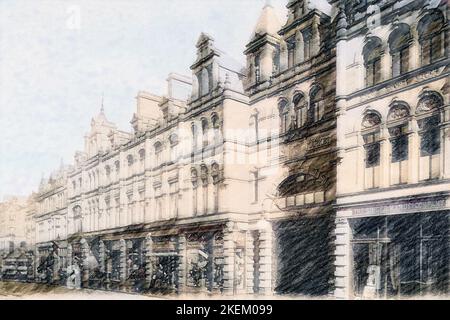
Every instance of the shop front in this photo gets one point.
(204, 262)
(401, 255)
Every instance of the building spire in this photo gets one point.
(102, 109)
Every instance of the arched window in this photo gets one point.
(117, 166)
(431, 37)
(253, 128)
(372, 52)
(397, 122)
(301, 109)
(173, 140)
(215, 174)
(142, 155)
(108, 171)
(194, 180)
(194, 136)
(204, 132)
(371, 135)
(283, 107)
(158, 153)
(216, 127)
(399, 41)
(317, 108)
(428, 120)
(130, 160)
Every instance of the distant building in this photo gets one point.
(12, 224)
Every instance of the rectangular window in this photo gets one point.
(429, 136)
(307, 36)
(399, 143)
(372, 149)
(400, 62)
(404, 60)
(257, 69)
(436, 47)
(425, 52)
(302, 114)
(372, 155)
(373, 72)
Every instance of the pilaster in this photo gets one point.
(266, 272)
(182, 268)
(342, 258)
(249, 261)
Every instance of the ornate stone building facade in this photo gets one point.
(393, 114)
(304, 172)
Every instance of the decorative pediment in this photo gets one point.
(397, 112)
(371, 120)
(429, 101)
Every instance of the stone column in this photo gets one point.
(182, 268)
(37, 263)
(69, 255)
(386, 66)
(413, 152)
(123, 261)
(148, 259)
(342, 261)
(102, 253)
(414, 49)
(266, 272)
(446, 144)
(283, 56)
(85, 263)
(385, 151)
(249, 261)
(229, 256)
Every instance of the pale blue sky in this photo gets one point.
(54, 68)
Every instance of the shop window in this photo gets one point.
(400, 255)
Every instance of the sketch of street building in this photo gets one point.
(320, 168)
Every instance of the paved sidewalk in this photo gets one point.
(32, 291)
